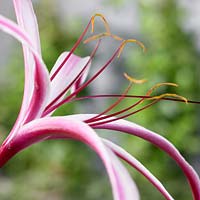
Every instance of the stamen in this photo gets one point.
(156, 99)
(140, 102)
(124, 42)
(133, 80)
(72, 51)
(118, 52)
(85, 84)
(97, 123)
(91, 22)
(159, 85)
(120, 112)
(104, 21)
(132, 96)
(94, 37)
(169, 95)
(131, 41)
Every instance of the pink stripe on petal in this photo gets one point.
(126, 187)
(139, 167)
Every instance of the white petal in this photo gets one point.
(67, 74)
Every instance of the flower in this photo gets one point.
(44, 92)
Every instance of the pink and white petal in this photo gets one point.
(34, 100)
(61, 127)
(159, 141)
(127, 188)
(27, 20)
(61, 58)
(138, 166)
(83, 77)
(67, 74)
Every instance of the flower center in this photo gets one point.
(104, 117)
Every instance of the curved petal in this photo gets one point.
(162, 143)
(61, 127)
(34, 100)
(139, 167)
(128, 190)
(67, 74)
(27, 20)
(125, 126)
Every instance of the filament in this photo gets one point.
(121, 97)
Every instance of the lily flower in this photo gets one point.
(44, 92)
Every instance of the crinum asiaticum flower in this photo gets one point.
(44, 92)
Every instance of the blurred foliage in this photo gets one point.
(68, 169)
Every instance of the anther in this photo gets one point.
(169, 95)
(95, 37)
(131, 41)
(104, 21)
(133, 80)
(159, 85)
(101, 35)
